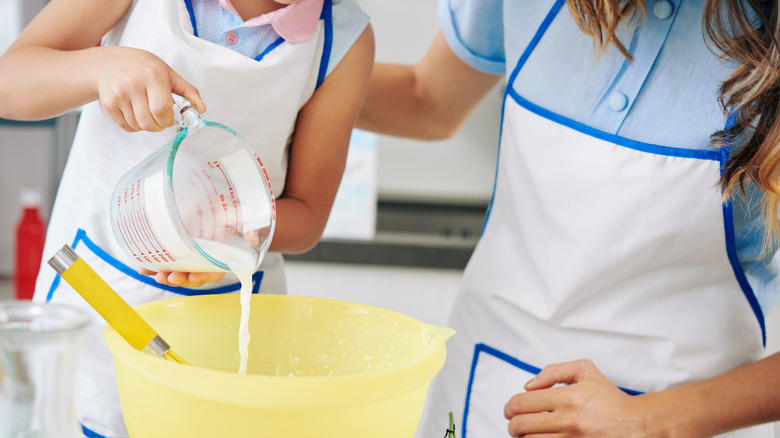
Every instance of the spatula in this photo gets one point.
(123, 318)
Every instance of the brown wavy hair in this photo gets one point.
(747, 33)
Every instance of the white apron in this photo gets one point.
(259, 98)
(600, 247)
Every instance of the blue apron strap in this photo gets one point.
(56, 282)
(327, 18)
(731, 246)
(191, 12)
(90, 434)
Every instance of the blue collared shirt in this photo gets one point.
(220, 26)
(666, 96)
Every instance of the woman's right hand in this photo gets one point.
(135, 87)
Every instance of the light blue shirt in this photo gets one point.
(666, 96)
(215, 22)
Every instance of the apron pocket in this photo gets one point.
(496, 377)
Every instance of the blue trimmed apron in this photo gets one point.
(601, 247)
(260, 98)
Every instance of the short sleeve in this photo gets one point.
(475, 32)
(349, 22)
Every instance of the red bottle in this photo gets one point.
(30, 235)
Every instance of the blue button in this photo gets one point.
(618, 102)
(663, 9)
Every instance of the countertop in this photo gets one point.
(426, 235)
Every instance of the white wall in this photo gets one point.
(30, 155)
(458, 170)
(25, 160)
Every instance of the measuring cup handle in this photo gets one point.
(180, 103)
(184, 113)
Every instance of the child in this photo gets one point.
(289, 75)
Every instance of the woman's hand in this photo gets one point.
(183, 279)
(135, 89)
(586, 405)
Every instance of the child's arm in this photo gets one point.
(54, 67)
(319, 150)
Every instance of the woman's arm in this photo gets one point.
(319, 150)
(427, 101)
(591, 406)
(54, 67)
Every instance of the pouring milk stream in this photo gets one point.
(201, 203)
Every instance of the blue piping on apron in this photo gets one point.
(720, 156)
(326, 15)
(81, 236)
(482, 348)
(90, 434)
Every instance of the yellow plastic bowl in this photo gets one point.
(317, 368)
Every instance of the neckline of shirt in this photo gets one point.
(296, 22)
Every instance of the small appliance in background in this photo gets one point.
(30, 236)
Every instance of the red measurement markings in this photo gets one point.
(270, 189)
(235, 208)
(132, 229)
(196, 183)
(224, 211)
(145, 230)
(126, 227)
(124, 239)
(232, 197)
(212, 207)
(162, 252)
(130, 236)
(134, 220)
(208, 177)
(211, 204)
(121, 228)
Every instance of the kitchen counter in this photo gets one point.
(409, 234)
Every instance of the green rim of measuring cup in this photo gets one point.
(169, 182)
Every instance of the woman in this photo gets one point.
(609, 261)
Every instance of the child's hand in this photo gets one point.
(183, 279)
(135, 89)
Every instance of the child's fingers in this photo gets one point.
(185, 279)
(205, 277)
(181, 87)
(178, 278)
(118, 118)
(144, 271)
(161, 277)
(143, 115)
(160, 105)
(126, 108)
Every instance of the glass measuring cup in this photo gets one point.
(202, 203)
(39, 353)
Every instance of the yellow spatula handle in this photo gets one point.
(123, 318)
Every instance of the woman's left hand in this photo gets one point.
(586, 405)
(183, 279)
